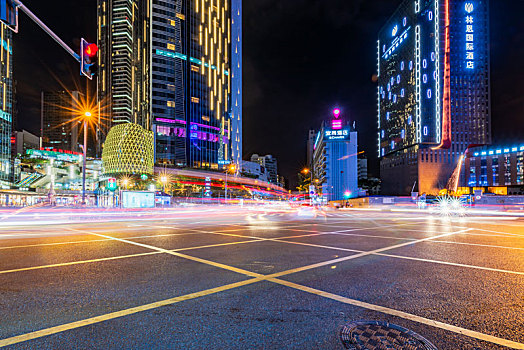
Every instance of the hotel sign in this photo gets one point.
(337, 135)
(470, 35)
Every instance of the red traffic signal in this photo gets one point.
(91, 50)
(88, 59)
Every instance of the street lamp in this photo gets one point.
(86, 118)
(163, 180)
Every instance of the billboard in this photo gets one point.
(133, 200)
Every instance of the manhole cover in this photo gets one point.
(371, 335)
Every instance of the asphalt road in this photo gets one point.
(259, 279)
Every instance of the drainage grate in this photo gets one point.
(371, 335)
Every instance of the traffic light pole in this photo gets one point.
(84, 158)
(46, 29)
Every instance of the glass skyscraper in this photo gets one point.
(180, 76)
(433, 91)
(6, 105)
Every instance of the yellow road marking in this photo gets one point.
(259, 277)
(77, 262)
(89, 241)
(122, 257)
(121, 313)
(359, 255)
(478, 245)
(188, 257)
(404, 315)
(404, 257)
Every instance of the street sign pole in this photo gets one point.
(46, 29)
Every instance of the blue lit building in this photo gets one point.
(196, 82)
(6, 106)
(496, 170)
(175, 68)
(335, 161)
(433, 91)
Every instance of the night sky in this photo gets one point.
(301, 59)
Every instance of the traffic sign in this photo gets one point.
(9, 14)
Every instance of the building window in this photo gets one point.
(195, 100)
(520, 168)
(483, 172)
(472, 177)
(495, 171)
(171, 104)
(507, 170)
(195, 68)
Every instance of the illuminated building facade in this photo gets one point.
(128, 150)
(124, 65)
(433, 91)
(6, 105)
(335, 160)
(177, 66)
(58, 130)
(499, 170)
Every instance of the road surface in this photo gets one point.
(232, 278)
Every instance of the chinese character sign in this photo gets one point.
(337, 135)
(470, 35)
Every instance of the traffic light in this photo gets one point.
(88, 58)
(111, 184)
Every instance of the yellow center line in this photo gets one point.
(271, 278)
(125, 256)
(92, 240)
(121, 313)
(188, 257)
(77, 262)
(359, 255)
(401, 314)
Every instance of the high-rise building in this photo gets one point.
(175, 67)
(433, 91)
(59, 130)
(270, 164)
(312, 135)
(362, 169)
(6, 105)
(335, 160)
(124, 39)
(23, 141)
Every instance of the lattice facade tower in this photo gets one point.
(128, 150)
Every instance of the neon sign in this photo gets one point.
(337, 135)
(470, 36)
